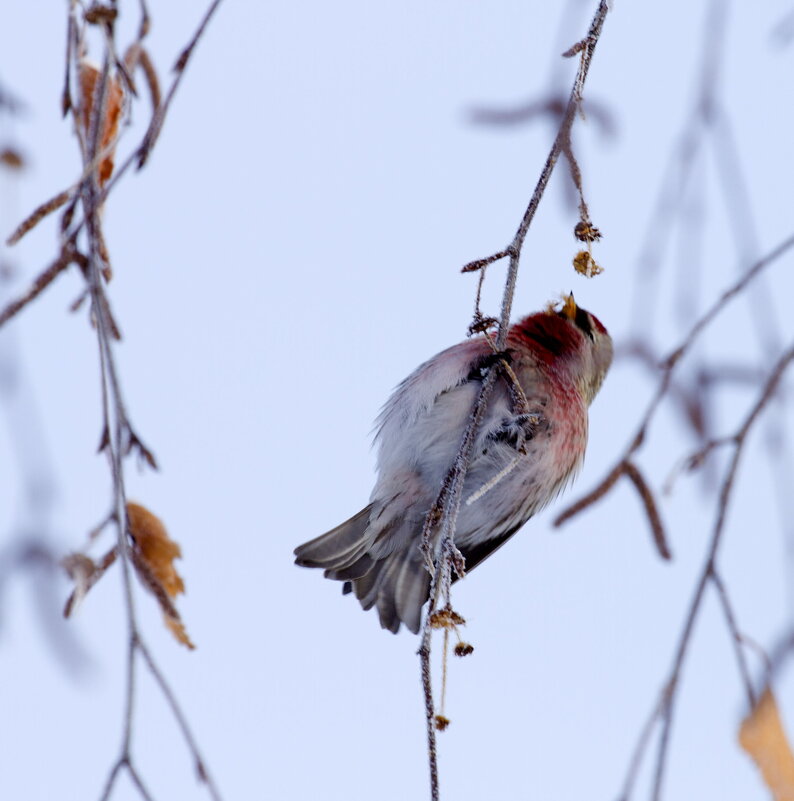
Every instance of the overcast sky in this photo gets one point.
(289, 254)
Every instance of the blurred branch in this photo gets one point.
(663, 710)
(667, 367)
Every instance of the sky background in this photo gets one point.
(289, 254)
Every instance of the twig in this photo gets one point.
(562, 139)
(668, 365)
(156, 125)
(594, 495)
(665, 707)
(118, 438)
(639, 750)
(430, 711)
(38, 286)
(442, 517)
(633, 474)
(38, 214)
(200, 763)
(708, 569)
(736, 636)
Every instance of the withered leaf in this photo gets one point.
(89, 80)
(446, 619)
(585, 264)
(152, 554)
(85, 573)
(177, 628)
(762, 736)
(155, 547)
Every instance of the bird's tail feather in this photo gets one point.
(338, 548)
(398, 584)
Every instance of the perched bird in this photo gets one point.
(528, 447)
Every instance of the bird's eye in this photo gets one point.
(583, 323)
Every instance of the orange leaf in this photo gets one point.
(153, 583)
(763, 738)
(177, 628)
(155, 547)
(89, 78)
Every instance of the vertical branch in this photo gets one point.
(97, 139)
(442, 519)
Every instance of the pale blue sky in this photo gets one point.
(291, 252)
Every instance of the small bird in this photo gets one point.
(529, 445)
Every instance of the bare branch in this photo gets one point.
(38, 214)
(736, 636)
(646, 496)
(668, 695)
(150, 139)
(38, 286)
(594, 495)
(442, 519)
(668, 365)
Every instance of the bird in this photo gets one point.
(529, 445)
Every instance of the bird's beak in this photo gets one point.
(569, 307)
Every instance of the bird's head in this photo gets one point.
(595, 352)
(567, 337)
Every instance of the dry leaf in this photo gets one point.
(585, 264)
(155, 547)
(89, 78)
(85, 573)
(153, 553)
(446, 619)
(585, 231)
(177, 628)
(762, 737)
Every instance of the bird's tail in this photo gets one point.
(397, 583)
(338, 548)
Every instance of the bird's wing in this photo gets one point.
(417, 393)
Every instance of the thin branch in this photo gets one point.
(668, 366)
(138, 782)
(118, 438)
(156, 125)
(639, 750)
(665, 706)
(38, 286)
(736, 636)
(38, 214)
(632, 472)
(200, 763)
(562, 140)
(442, 518)
(430, 712)
(594, 495)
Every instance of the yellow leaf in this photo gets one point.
(763, 738)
